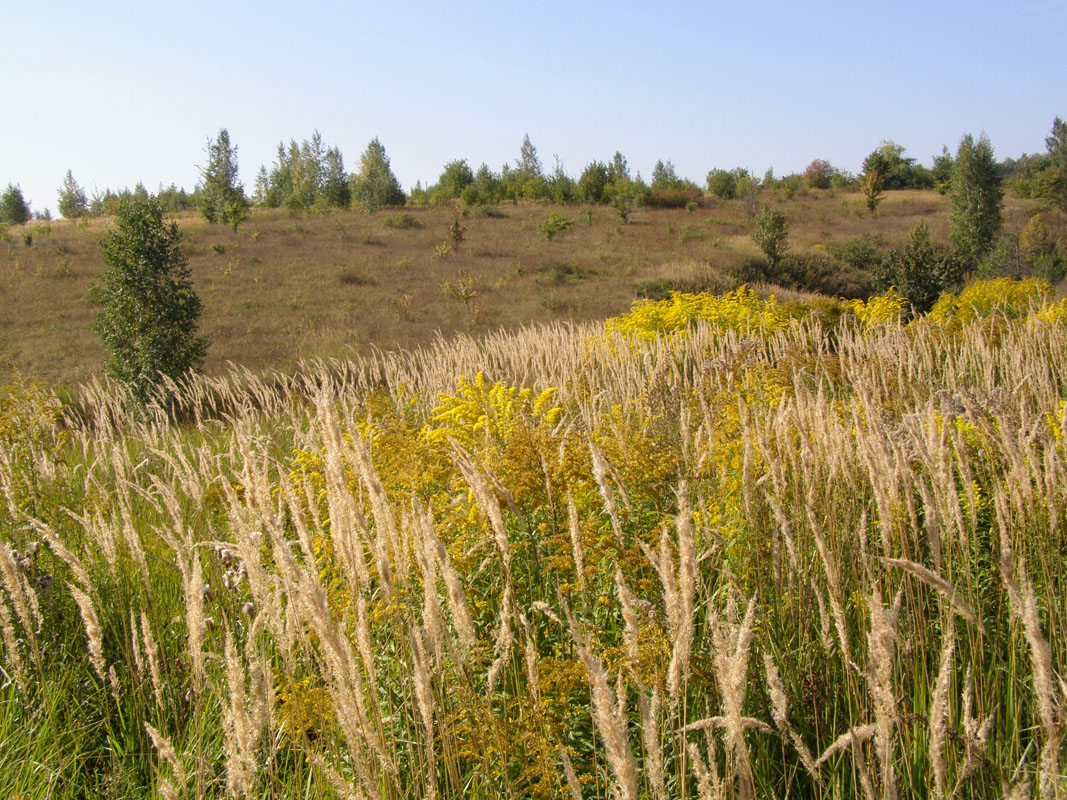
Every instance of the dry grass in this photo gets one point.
(290, 285)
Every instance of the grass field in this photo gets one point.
(718, 548)
(289, 285)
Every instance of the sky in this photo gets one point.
(121, 92)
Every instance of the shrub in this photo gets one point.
(1002, 296)
(860, 253)
(14, 210)
(919, 271)
(402, 222)
(671, 198)
(553, 224)
(770, 234)
(819, 174)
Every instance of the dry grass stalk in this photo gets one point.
(608, 715)
(834, 585)
(938, 715)
(600, 475)
(780, 714)
(457, 598)
(683, 616)
(931, 578)
(23, 598)
(731, 643)
(166, 752)
(649, 708)
(345, 517)
(92, 630)
(853, 737)
(573, 785)
(11, 647)
(881, 647)
(576, 542)
(1023, 603)
(709, 785)
(194, 620)
(384, 521)
(421, 675)
(239, 732)
(631, 631)
(151, 651)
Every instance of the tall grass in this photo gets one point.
(785, 561)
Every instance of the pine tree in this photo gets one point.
(222, 196)
(72, 200)
(150, 310)
(14, 210)
(976, 198)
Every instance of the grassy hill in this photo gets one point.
(287, 285)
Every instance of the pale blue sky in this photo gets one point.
(125, 91)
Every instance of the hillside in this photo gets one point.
(288, 286)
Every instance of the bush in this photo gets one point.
(819, 174)
(402, 222)
(919, 271)
(672, 198)
(770, 234)
(555, 223)
(860, 253)
(150, 311)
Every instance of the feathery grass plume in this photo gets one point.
(92, 630)
(194, 619)
(457, 598)
(166, 752)
(421, 675)
(631, 631)
(731, 643)
(939, 707)
(505, 637)
(682, 629)
(931, 578)
(345, 517)
(600, 475)
(881, 648)
(709, 785)
(135, 646)
(530, 660)
(576, 542)
(573, 784)
(607, 714)
(23, 598)
(1023, 604)
(384, 522)
(853, 737)
(336, 780)
(649, 708)
(240, 734)
(151, 651)
(975, 734)
(364, 645)
(780, 714)
(11, 647)
(833, 583)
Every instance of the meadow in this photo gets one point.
(717, 547)
(287, 284)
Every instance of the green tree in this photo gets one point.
(593, 182)
(1056, 144)
(222, 195)
(72, 200)
(336, 191)
(976, 197)
(770, 234)
(897, 171)
(873, 186)
(919, 271)
(375, 186)
(529, 165)
(14, 210)
(149, 309)
(455, 177)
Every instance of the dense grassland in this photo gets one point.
(289, 284)
(719, 547)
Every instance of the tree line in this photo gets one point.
(312, 174)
